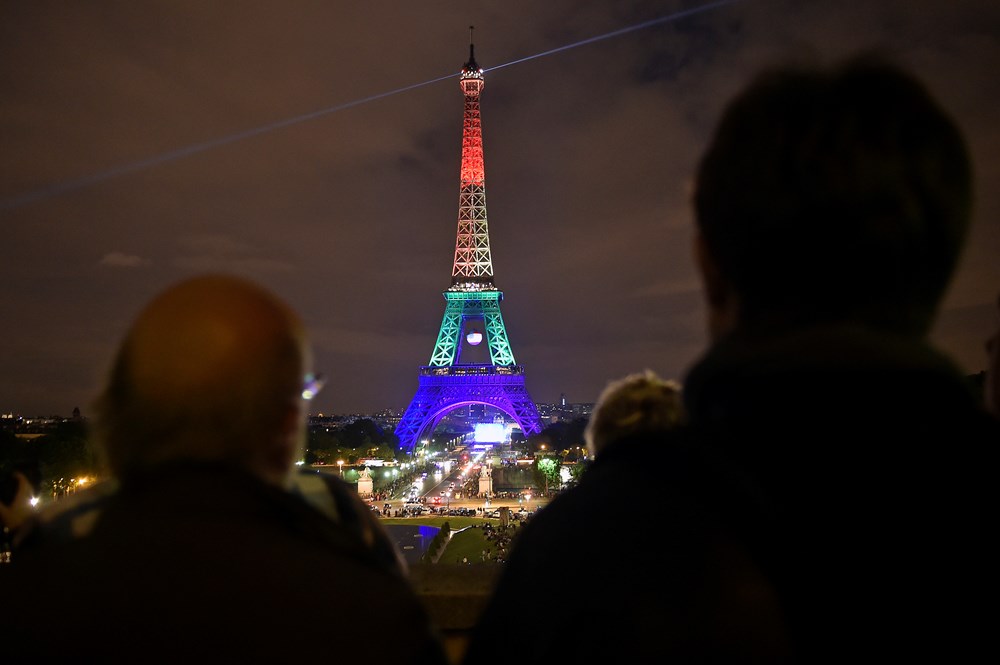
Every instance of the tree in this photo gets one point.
(61, 453)
(548, 468)
(322, 447)
(560, 435)
(362, 433)
(68, 452)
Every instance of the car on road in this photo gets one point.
(414, 508)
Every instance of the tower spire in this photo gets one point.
(471, 64)
(473, 267)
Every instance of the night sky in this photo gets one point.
(315, 146)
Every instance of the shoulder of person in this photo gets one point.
(340, 504)
(330, 495)
(69, 517)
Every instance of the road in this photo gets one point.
(445, 490)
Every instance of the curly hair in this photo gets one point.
(638, 403)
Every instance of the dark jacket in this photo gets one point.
(829, 500)
(196, 563)
(623, 567)
(878, 464)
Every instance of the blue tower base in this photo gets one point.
(443, 389)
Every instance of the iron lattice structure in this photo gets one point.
(446, 383)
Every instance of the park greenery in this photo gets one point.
(459, 539)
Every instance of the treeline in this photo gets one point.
(358, 439)
(53, 460)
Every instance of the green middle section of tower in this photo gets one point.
(479, 305)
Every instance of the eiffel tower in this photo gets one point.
(446, 383)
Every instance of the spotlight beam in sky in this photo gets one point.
(608, 35)
(57, 189)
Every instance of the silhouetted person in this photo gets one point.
(831, 209)
(621, 557)
(209, 545)
(634, 405)
(829, 497)
(991, 387)
(20, 482)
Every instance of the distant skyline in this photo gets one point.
(315, 147)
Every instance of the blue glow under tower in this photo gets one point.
(446, 383)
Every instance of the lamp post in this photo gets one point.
(340, 465)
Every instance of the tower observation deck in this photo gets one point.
(445, 383)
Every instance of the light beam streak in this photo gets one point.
(67, 186)
(608, 35)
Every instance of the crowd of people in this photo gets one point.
(501, 538)
(824, 495)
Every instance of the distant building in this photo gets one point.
(564, 410)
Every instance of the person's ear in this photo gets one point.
(720, 297)
(287, 446)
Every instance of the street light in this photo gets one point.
(340, 465)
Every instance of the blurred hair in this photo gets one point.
(838, 194)
(636, 404)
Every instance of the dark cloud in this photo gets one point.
(181, 136)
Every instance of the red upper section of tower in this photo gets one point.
(473, 268)
(472, 83)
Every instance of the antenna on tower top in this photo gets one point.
(471, 69)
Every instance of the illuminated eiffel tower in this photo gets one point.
(446, 383)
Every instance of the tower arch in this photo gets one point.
(434, 418)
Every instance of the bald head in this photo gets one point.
(211, 369)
